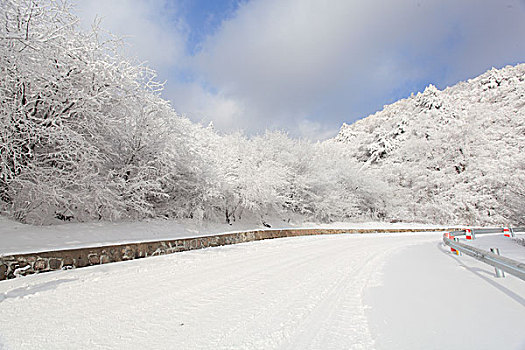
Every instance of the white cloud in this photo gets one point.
(308, 65)
(315, 130)
(301, 59)
(151, 28)
(204, 106)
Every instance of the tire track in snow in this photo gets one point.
(340, 317)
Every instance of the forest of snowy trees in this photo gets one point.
(456, 155)
(85, 135)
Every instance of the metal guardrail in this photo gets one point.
(491, 230)
(510, 266)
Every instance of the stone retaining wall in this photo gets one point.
(24, 264)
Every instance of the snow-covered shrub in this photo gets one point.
(429, 99)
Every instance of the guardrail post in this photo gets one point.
(499, 273)
(469, 234)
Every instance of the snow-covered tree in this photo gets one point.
(78, 122)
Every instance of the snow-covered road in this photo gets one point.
(291, 293)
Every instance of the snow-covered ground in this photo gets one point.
(19, 238)
(432, 299)
(377, 291)
(508, 247)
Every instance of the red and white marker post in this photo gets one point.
(451, 237)
(506, 232)
(469, 234)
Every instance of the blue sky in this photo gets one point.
(204, 17)
(307, 66)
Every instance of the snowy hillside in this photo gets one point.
(85, 136)
(455, 155)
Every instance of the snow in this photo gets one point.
(508, 247)
(377, 291)
(17, 238)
